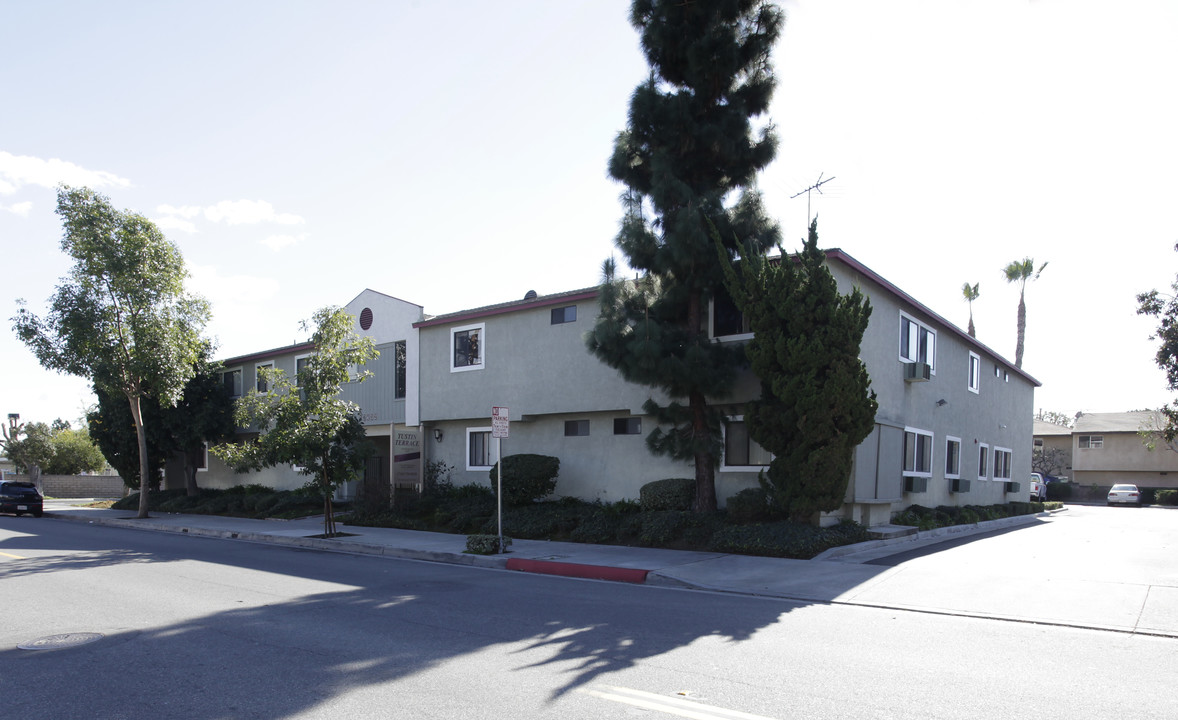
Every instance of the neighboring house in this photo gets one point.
(952, 428)
(388, 399)
(1055, 444)
(1108, 449)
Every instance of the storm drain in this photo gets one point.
(64, 640)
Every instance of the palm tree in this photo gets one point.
(970, 292)
(1020, 271)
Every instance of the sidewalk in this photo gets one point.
(839, 576)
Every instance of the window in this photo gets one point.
(576, 428)
(1039, 442)
(262, 384)
(628, 426)
(918, 452)
(232, 380)
(975, 372)
(917, 342)
(563, 315)
(727, 319)
(300, 365)
(952, 458)
(202, 458)
(997, 371)
(468, 347)
(478, 448)
(983, 461)
(399, 370)
(741, 451)
(1001, 464)
(1091, 442)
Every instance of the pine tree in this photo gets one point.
(689, 149)
(816, 400)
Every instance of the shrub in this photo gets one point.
(437, 479)
(600, 526)
(528, 478)
(546, 520)
(785, 539)
(748, 506)
(1166, 497)
(671, 494)
(1059, 491)
(485, 544)
(1148, 495)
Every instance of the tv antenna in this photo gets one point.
(816, 186)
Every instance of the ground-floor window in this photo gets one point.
(741, 452)
(478, 448)
(1001, 463)
(983, 461)
(952, 457)
(918, 452)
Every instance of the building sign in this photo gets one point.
(406, 458)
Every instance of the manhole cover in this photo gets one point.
(64, 640)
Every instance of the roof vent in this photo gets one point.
(530, 295)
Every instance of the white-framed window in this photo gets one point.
(468, 347)
(1091, 442)
(975, 372)
(983, 461)
(260, 382)
(478, 448)
(202, 463)
(562, 315)
(741, 452)
(576, 428)
(400, 358)
(725, 320)
(628, 426)
(300, 364)
(1002, 463)
(918, 342)
(918, 452)
(952, 457)
(232, 380)
(997, 370)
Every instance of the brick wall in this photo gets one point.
(78, 486)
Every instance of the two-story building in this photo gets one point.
(1108, 448)
(953, 425)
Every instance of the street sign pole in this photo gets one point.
(500, 422)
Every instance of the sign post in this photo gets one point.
(500, 422)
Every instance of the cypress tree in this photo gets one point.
(816, 400)
(688, 158)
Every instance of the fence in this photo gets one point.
(77, 486)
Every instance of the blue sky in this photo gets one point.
(453, 154)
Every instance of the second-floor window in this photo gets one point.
(262, 384)
(1091, 442)
(975, 372)
(918, 343)
(467, 347)
(727, 319)
(399, 360)
(232, 380)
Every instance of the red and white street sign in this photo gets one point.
(499, 422)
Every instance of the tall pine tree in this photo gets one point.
(816, 401)
(688, 158)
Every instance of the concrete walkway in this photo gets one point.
(843, 575)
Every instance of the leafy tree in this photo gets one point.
(204, 413)
(971, 293)
(35, 450)
(121, 317)
(54, 449)
(307, 424)
(1165, 309)
(1020, 271)
(689, 149)
(1056, 418)
(816, 401)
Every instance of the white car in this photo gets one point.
(1124, 495)
(1038, 488)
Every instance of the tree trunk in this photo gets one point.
(971, 330)
(141, 436)
(190, 487)
(1022, 331)
(705, 476)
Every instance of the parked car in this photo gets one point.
(1038, 488)
(20, 498)
(1124, 495)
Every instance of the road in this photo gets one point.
(210, 629)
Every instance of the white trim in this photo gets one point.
(724, 466)
(257, 379)
(296, 366)
(1009, 462)
(240, 376)
(482, 336)
(205, 449)
(466, 448)
(983, 452)
(949, 475)
(932, 454)
(914, 342)
(738, 337)
(974, 380)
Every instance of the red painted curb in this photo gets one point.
(592, 572)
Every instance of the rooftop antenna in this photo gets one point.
(816, 186)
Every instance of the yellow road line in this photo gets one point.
(18, 557)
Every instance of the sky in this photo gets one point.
(453, 153)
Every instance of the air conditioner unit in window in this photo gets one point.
(1013, 487)
(917, 372)
(915, 484)
(959, 485)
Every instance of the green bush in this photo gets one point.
(1148, 495)
(785, 539)
(749, 506)
(600, 526)
(675, 494)
(1166, 497)
(485, 544)
(546, 520)
(528, 478)
(1059, 491)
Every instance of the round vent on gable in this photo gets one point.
(365, 318)
(530, 295)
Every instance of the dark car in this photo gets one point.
(20, 498)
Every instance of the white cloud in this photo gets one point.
(231, 290)
(20, 208)
(16, 171)
(248, 212)
(278, 242)
(170, 222)
(186, 211)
